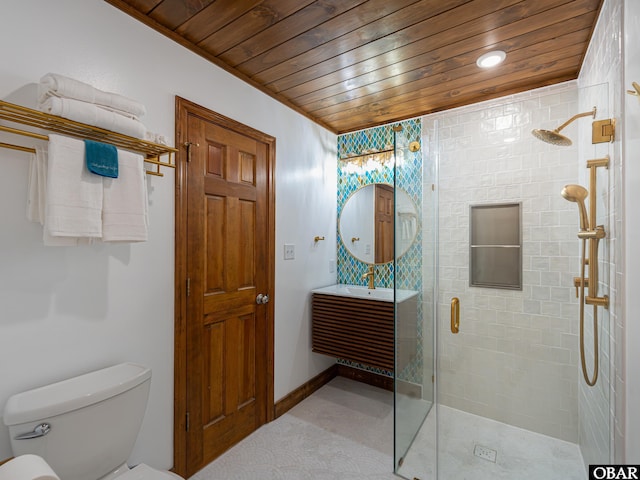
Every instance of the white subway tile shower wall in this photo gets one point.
(599, 84)
(516, 357)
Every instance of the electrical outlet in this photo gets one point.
(332, 266)
(289, 251)
(485, 453)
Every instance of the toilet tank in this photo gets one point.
(93, 420)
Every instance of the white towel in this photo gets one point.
(57, 85)
(73, 194)
(37, 189)
(125, 204)
(156, 138)
(37, 199)
(93, 115)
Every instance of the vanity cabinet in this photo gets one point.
(355, 329)
(355, 323)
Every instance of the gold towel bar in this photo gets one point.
(17, 147)
(33, 118)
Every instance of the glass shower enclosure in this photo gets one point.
(414, 281)
(502, 395)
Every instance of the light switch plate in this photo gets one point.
(289, 251)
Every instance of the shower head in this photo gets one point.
(553, 136)
(577, 194)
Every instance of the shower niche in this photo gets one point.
(495, 246)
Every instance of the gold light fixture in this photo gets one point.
(372, 159)
(369, 160)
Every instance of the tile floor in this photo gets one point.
(344, 431)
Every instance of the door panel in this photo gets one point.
(384, 206)
(229, 337)
(215, 160)
(215, 208)
(247, 235)
(214, 399)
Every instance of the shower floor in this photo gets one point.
(519, 454)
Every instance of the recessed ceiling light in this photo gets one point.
(491, 59)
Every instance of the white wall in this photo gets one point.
(68, 310)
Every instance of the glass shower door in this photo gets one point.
(511, 400)
(414, 275)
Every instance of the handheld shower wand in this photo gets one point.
(577, 194)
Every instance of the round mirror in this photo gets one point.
(366, 223)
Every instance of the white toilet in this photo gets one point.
(85, 427)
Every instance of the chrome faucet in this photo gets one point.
(370, 276)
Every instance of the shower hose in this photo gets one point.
(591, 382)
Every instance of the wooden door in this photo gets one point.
(228, 334)
(384, 223)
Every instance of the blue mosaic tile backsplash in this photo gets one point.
(407, 270)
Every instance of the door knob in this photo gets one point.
(262, 299)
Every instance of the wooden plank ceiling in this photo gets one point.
(353, 64)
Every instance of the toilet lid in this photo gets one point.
(145, 472)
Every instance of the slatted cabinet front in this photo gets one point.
(353, 329)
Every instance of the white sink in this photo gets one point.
(384, 294)
(358, 291)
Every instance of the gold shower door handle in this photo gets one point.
(455, 315)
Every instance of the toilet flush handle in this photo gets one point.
(39, 431)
